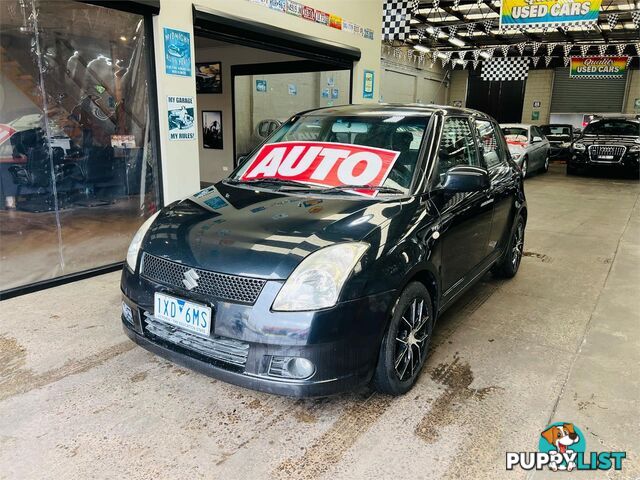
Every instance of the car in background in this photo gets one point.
(323, 262)
(560, 137)
(528, 146)
(611, 143)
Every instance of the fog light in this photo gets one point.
(291, 367)
(127, 313)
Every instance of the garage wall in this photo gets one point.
(633, 91)
(538, 88)
(180, 159)
(458, 87)
(216, 164)
(401, 83)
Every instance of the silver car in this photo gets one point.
(528, 146)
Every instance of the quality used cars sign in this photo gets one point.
(547, 13)
(324, 164)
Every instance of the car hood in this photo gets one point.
(262, 234)
(608, 140)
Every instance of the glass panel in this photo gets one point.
(78, 174)
(490, 146)
(457, 146)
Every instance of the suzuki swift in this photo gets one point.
(323, 262)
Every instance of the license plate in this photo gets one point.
(605, 157)
(183, 314)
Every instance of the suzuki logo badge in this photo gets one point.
(190, 279)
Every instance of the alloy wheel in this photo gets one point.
(412, 339)
(546, 163)
(518, 245)
(524, 168)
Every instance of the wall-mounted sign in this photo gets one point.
(535, 115)
(181, 118)
(536, 104)
(261, 86)
(177, 52)
(368, 84)
(457, 103)
(335, 93)
(548, 13)
(293, 89)
(326, 93)
(598, 67)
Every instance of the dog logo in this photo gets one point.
(562, 447)
(563, 438)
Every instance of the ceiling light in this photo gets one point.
(485, 55)
(124, 39)
(441, 55)
(420, 48)
(456, 41)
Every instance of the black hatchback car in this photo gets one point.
(323, 262)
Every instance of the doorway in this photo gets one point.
(502, 100)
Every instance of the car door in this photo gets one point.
(465, 218)
(539, 149)
(503, 181)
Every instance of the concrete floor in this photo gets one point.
(559, 342)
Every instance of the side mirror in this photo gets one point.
(465, 178)
(536, 139)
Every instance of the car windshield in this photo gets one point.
(556, 130)
(515, 134)
(613, 127)
(330, 151)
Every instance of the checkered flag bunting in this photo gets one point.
(535, 61)
(635, 18)
(452, 30)
(550, 47)
(566, 61)
(505, 50)
(421, 34)
(487, 26)
(395, 20)
(475, 63)
(456, 3)
(584, 49)
(535, 46)
(602, 49)
(470, 29)
(436, 32)
(566, 48)
(521, 46)
(620, 49)
(415, 5)
(629, 60)
(637, 46)
(612, 20)
(505, 69)
(547, 60)
(436, 4)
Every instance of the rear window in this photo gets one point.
(612, 127)
(556, 130)
(515, 134)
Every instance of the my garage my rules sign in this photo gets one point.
(598, 67)
(548, 13)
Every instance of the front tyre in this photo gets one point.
(525, 167)
(508, 265)
(545, 167)
(406, 344)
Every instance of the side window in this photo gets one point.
(457, 146)
(490, 146)
(537, 132)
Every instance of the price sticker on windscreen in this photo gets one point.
(323, 164)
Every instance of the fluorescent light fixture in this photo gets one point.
(485, 55)
(441, 55)
(421, 48)
(456, 41)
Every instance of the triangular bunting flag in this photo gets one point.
(635, 18)
(415, 4)
(487, 26)
(602, 49)
(566, 48)
(436, 32)
(637, 45)
(521, 46)
(620, 48)
(421, 33)
(452, 30)
(505, 49)
(584, 49)
(550, 47)
(476, 54)
(456, 3)
(461, 54)
(547, 60)
(536, 47)
(470, 29)
(566, 61)
(629, 60)
(535, 61)
(475, 63)
(612, 20)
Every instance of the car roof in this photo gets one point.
(617, 119)
(406, 109)
(526, 126)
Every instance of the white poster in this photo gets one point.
(181, 117)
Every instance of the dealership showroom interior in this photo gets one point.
(320, 239)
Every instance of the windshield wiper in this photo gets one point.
(377, 188)
(267, 181)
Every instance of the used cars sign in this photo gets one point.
(321, 163)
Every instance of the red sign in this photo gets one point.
(5, 132)
(309, 13)
(322, 17)
(325, 164)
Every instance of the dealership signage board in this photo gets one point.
(181, 118)
(367, 88)
(323, 164)
(177, 52)
(548, 13)
(598, 67)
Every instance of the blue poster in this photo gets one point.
(261, 85)
(177, 52)
(367, 87)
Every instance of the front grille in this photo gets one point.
(232, 353)
(211, 284)
(616, 152)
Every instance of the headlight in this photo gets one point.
(565, 144)
(316, 283)
(134, 247)
(579, 147)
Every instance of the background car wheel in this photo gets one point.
(508, 265)
(406, 344)
(525, 167)
(545, 167)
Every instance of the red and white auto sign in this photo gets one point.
(323, 163)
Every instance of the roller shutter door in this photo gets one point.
(398, 87)
(572, 95)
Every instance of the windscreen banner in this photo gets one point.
(598, 67)
(324, 164)
(548, 13)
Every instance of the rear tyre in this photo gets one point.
(525, 167)
(508, 265)
(406, 344)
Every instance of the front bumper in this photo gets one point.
(630, 161)
(342, 342)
